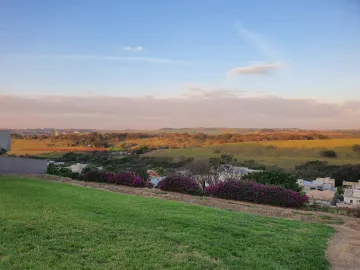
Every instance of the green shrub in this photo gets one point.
(329, 154)
(356, 148)
(274, 177)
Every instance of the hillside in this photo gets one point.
(51, 225)
(285, 154)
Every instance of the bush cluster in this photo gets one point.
(257, 193)
(60, 171)
(329, 154)
(354, 212)
(181, 184)
(274, 177)
(122, 178)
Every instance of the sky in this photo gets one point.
(153, 64)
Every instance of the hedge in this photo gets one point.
(257, 193)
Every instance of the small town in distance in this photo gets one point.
(54, 147)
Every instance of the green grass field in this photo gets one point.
(46, 225)
(285, 154)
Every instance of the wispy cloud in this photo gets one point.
(203, 93)
(154, 60)
(259, 42)
(138, 48)
(271, 55)
(259, 69)
(209, 108)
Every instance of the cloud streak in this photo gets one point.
(259, 42)
(56, 57)
(257, 69)
(210, 108)
(138, 48)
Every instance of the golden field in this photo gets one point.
(45, 146)
(285, 154)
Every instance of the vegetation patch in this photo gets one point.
(257, 193)
(181, 184)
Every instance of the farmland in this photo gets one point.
(45, 146)
(284, 154)
(51, 225)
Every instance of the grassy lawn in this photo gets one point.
(45, 225)
(285, 154)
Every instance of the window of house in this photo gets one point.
(351, 201)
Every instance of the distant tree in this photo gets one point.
(200, 170)
(275, 177)
(356, 148)
(329, 154)
(340, 191)
(3, 151)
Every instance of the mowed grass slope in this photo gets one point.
(285, 154)
(47, 225)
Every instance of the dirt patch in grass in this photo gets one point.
(344, 248)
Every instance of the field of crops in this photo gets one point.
(285, 154)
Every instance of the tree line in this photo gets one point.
(133, 141)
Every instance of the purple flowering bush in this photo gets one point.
(181, 184)
(257, 193)
(121, 178)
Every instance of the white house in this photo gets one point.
(352, 196)
(326, 183)
(57, 163)
(230, 171)
(351, 185)
(78, 167)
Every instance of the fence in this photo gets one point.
(22, 165)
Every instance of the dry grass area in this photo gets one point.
(284, 154)
(343, 249)
(45, 146)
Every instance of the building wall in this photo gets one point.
(356, 193)
(22, 165)
(352, 200)
(5, 140)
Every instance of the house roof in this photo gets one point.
(327, 195)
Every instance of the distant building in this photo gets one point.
(351, 185)
(77, 167)
(352, 196)
(5, 140)
(326, 183)
(57, 163)
(323, 197)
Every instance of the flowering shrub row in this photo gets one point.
(257, 193)
(181, 184)
(122, 178)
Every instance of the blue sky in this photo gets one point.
(301, 49)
